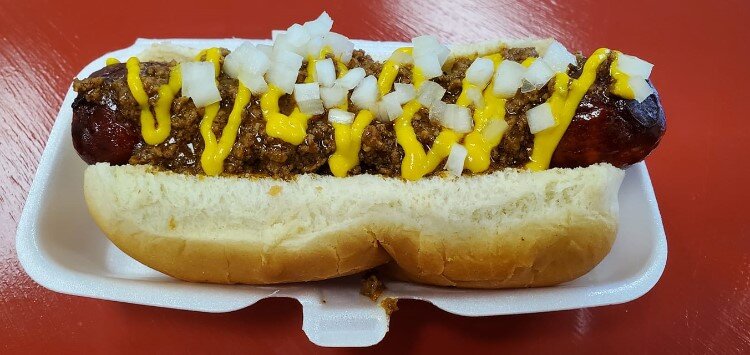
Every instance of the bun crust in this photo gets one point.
(511, 228)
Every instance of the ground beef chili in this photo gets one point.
(256, 153)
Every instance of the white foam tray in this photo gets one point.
(61, 248)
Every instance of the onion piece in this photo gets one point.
(255, 82)
(341, 46)
(404, 92)
(297, 35)
(352, 78)
(365, 95)
(538, 74)
(325, 72)
(634, 66)
(199, 83)
(283, 43)
(288, 59)
(475, 95)
(430, 92)
(428, 46)
(266, 49)
(494, 129)
(392, 105)
(380, 111)
(429, 64)
(558, 58)
(304, 92)
(540, 118)
(246, 58)
(401, 58)
(314, 46)
(283, 77)
(641, 88)
(437, 111)
(480, 72)
(320, 26)
(340, 116)
(333, 96)
(455, 162)
(508, 78)
(311, 107)
(457, 118)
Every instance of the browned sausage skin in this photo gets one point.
(607, 128)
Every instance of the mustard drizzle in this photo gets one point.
(154, 131)
(155, 127)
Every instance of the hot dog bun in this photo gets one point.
(510, 228)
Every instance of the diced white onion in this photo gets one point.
(538, 74)
(634, 66)
(282, 77)
(527, 87)
(341, 46)
(437, 111)
(475, 95)
(333, 96)
(311, 107)
(455, 162)
(288, 59)
(641, 88)
(430, 92)
(314, 47)
(256, 83)
(508, 78)
(285, 67)
(429, 65)
(457, 118)
(494, 129)
(305, 92)
(392, 105)
(480, 72)
(352, 78)
(266, 49)
(325, 72)
(319, 26)
(283, 43)
(429, 45)
(246, 58)
(380, 111)
(540, 118)
(399, 57)
(297, 35)
(340, 116)
(199, 83)
(404, 92)
(558, 58)
(365, 95)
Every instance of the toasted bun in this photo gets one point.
(506, 229)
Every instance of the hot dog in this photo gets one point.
(490, 165)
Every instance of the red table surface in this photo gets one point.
(700, 48)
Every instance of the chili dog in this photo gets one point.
(490, 165)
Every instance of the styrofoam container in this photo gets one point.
(62, 249)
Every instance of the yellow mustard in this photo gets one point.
(621, 86)
(154, 131)
(111, 61)
(479, 145)
(348, 142)
(214, 154)
(564, 102)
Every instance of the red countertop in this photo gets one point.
(700, 173)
